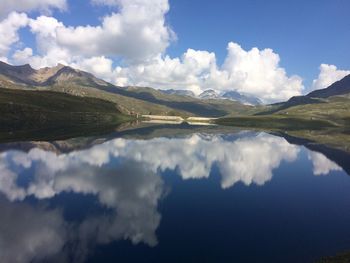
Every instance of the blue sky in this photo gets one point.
(304, 33)
(196, 45)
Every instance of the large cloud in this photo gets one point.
(328, 75)
(258, 72)
(49, 52)
(137, 32)
(29, 5)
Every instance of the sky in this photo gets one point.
(270, 49)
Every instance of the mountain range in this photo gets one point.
(213, 95)
(231, 95)
(128, 100)
(26, 75)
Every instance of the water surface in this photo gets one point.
(199, 197)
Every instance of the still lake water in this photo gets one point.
(197, 197)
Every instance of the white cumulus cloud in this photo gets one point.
(258, 72)
(137, 32)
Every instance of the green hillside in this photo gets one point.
(320, 109)
(35, 109)
(330, 112)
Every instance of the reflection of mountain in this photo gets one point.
(124, 176)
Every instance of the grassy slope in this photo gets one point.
(36, 109)
(127, 105)
(333, 112)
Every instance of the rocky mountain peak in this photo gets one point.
(209, 94)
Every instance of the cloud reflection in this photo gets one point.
(30, 234)
(125, 177)
(128, 189)
(322, 165)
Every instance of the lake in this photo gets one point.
(191, 195)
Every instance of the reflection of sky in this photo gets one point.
(124, 175)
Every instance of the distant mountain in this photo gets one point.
(340, 87)
(60, 74)
(209, 94)
(178, 92)
(245, 99)
(67, 74)
(230, 95)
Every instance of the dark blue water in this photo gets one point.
(244, 197)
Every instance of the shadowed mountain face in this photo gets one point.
(19, 74)
(178, 92)
(321, 96)
(340, 87)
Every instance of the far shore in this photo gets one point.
(178, 119)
